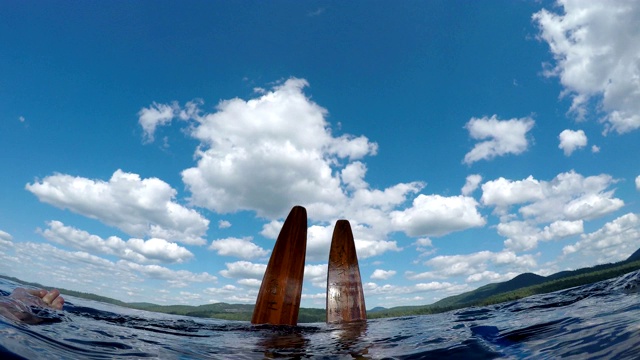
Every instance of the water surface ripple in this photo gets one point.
(599, 320)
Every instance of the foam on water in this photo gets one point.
(593, 321)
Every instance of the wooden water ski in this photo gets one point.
(345, 299)
(279, 297)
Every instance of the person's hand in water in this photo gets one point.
(41, 298)
(19, 305)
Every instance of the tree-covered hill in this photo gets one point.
(519, 287)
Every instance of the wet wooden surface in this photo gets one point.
(345, 299)
(279, 297)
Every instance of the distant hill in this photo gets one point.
(523, 285)
(518, 282)
(376, 309)
(634, 257)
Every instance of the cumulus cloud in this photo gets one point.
(6, 240)
(176, 278)
(435, 215)
(471, 185)
(379, 274)
(615, 241)
(126, 280)
(638, 182)
(491, 276)
(244, 270)
(469, 264)
(524, 236)
(139, 207)
(596, 48)
(223, 224)
(254, 283)
(269, 153)
(368, 244)
(424, 246)
(5, 236)
(316, 274)
(572, 140)
(569, 196)
(504, 137)
(152, 117)
(242, 248)
(503, 193)
(137, 250)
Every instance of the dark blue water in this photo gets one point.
(599, 321)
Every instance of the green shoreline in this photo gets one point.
(519, 287)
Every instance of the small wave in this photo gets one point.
(591, 321)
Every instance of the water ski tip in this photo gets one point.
(345, 298)
(278, 301)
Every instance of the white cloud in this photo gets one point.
(615, 241)
(177, 278)
(244, 270)
(490, 276)
(319, 242)
(152, 117)
(521, 235)
(503, 193)
(524, 236)
(271, 229)
(139, 207)
(316, 275)
(269, 153)
(372, 247)
(595, 149)
(371, 288)
(353, 175)
(379, 274)
(223, 224)
(596, 47)
(224, 290)
(82, 271)
(572, 140)
(638, 182)
(569, 196)
(316, 296)
(505, 137)
(562, 229)
(137, 250)
(445, 266)
(254, 283)
(242, 248)
(471, 185)
(435, 215)
(5, 236)
(424, 246)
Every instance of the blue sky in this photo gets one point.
(152, 149)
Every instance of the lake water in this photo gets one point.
(599, 321)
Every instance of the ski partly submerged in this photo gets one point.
(278, 301)
(345, 299)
